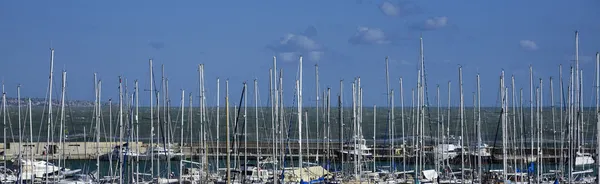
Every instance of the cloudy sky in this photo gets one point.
(237, 40)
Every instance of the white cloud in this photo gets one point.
(298, 42)
(400, 8)
(528, 45)
(288, 56)
(295, 56)
(291, 46)
(365, 35)
(432, 24)
(315, 55)
(389, 9)
(436, 22)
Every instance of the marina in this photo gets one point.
(420, 143)
(369, 92)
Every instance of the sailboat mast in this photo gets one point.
(514, 121)
(449, 117)
(121, 163)
(561, 110)
(273, 141)
(531, 106)
(218, 121)
(275, 113)
(181, 136)
(317, 107)
(598, 109)
(137, 128)
(62, 117)
(354, 132)
(328, 127)
(374, 134)
(299, 126)
(552, 106)
(151, 121)
(190, 122)
(245, 129)
(110, 135)
(541, 129)
(479, 141)
(47, 148)
(20, 131)
(341, 120)
(388, 101)
(30, 132)
(462, 123)
(227, 130)
(256, 121)
(570, 124)
(402, 121)
(98, 114)
(4, 122)
(437, 138)
(504, 128)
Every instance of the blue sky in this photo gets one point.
(237, 40)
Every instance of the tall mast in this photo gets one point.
(504, 128)
(561, 110)
(570, 121)
(479, 141)
(418, 166)
(191, 121)
(30, 131)
(96, 117)
(531, 106)
(462, 122)
(280, 119)
(328, 127)
(159, 127)
(273, 141)
(341, 119)
(522, 125)
(181, 136)
(449, 117)
(218, 120)
(276, 108)
(203, 123)
(354, 130)
(598, 109)
(98, 114)
(541, 129)
(299, 126)
(577, 98)
(137, 128)
(110, 136)
(256, 121)
(4, 123)
(317, 107)
(437, 156)
(514, 119)
(121, 130)
(580, 112)
(20, 131)
(374, 134)
(62, 116)
(388, 101)
(151, 120)
(227, 130)
(553, 121)
(49, 111)
(245, 129)
(402, 121)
